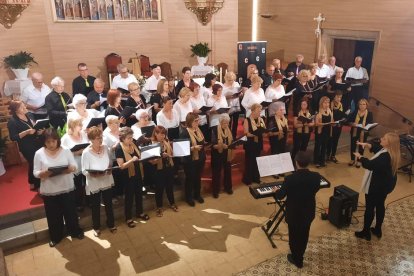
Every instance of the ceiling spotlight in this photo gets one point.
(267, 15)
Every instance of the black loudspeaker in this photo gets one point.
(340, 210)
(349, 193)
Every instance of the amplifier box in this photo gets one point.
(349, 193)
(340, 210)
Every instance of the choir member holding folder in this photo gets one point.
(254, 95)
(111, 140)
(338, 83)
(339, 117)
(323, 132)
(194, 163)
(156, 98)
(127, 156)
(302, 90)
(76, 141)
(183, 105)
(135, 100)
(143, 121)
(232, 92)
(97, 167)
(169, 119)
(21, 129)
(57, 187)
(302, 124)
(80, 111)
(186, 81)
(360, 117)
(254, 129)
(221, 155)
(278, 124)
(164, 177)
(200, 107)
(218, 102)
(114, 105)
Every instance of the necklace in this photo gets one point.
(99, 151)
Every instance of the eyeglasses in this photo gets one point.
(123, 72)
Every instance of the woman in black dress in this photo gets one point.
(157, 98)
(338, 83)
(221, 155)
(185, 82)
(279, 125)
(194, 163)
(361, 117)
(338, 114)
(379, 180)
(114, 105)
(254, 127)
(21, 130)
(302, 124)
(323, 131)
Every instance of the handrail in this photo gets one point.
(405, 119)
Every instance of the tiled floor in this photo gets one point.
(220, 237)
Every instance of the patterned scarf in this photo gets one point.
(256, 126)
(281, 123)
(358, 120)
(127, 154)
(165, 148)
(195, 136)
(221, 136)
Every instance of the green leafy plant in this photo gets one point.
(3, 141)
(200, 49)
(19, 60)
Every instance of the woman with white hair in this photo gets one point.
(76, 136)
(79, 103)
(221, 155)
(278, 124)
(143, 121)
(231, 89)
(56, 103)
(111, 140)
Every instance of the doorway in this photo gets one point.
(345, 51)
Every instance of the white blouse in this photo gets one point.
(197, 103)
(137, 130)
(214, 119)
(67, 142)
(162, 120)
(206, 92)
(59, 184)
(251, 97)
(100, 162)
(92, 113)
(183, 109)
(274, 93)
(234, 103)
(110, 140)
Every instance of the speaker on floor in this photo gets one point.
(340, 210)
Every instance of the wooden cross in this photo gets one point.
(319, 19)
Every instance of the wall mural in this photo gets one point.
(106, 10)
(11, 10)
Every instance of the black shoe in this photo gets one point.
(191, 203)
(215, 195)
(230, 192)
(363, 235)
(292, 261)
(376, 232)
(201, 200)
(333, 159)
(53, 243)
(79, 236)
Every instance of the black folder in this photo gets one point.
(204, 109)
(173, 133)
(57, 170)
(259, 131)
(127, 112)
(304, 120)
(41, 124)
(265, 104)
(79, 147)
(341, 86)
(147, 131)
(123, 91)
(96, 122)
(150, 147)
(237, 142)
(222, 110)
(102, 171)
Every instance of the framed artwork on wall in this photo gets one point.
(106, 10)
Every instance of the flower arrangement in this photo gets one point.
(141, 80)
(200, 49)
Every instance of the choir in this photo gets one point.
(103, 159)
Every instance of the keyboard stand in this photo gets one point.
(273, 224)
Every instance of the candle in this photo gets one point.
(221, 74)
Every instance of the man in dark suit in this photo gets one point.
(83, 84)
(268, 77)
(300, 189)
(97, 97)
(56, 103)
(278, 67)
(294, 68)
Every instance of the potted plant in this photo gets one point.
(19, 63)
(2, 153)
(201, 50)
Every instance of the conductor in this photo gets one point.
(300, 189)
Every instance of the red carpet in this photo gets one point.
(15, 191)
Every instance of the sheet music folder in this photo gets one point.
(274, 164)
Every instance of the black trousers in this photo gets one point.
(219, 163)
(300, 143)
(374, 205)
(164, 180)
(79, 181)
(346, 100)
(251, 171)
(149, 174)
(206, 130)
(234, 123)
(118, 189)
(333, 141)
(354, 145)
(61, 210)
(298, 239)
(277, 145)
(357, 93)
(133, 190)
(321, 144)
(193, 170)
(29, 156)
(95, 200)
